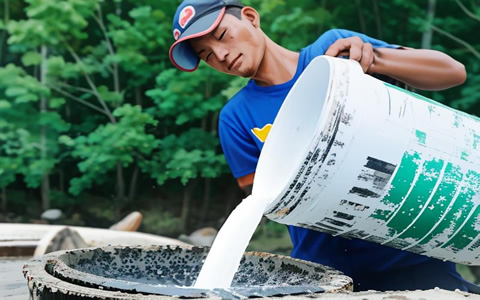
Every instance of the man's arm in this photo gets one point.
(419, 68)
(246, 183)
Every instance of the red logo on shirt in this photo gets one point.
(187, 13)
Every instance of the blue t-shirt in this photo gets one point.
(244, 124)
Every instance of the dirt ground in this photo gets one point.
(433, 294)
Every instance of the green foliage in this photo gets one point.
(183, 99)
(19, 154)
(188, 156)
(58, 68)
(12, 148)
(31, 58)
(19, 87)
(22, 150)
(109, 145)
(470, 96)
(187, 96)
(296, 21)
(51, 21)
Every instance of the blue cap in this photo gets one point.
(194, 18)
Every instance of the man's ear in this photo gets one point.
(250, 14)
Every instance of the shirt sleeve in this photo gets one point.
(321, 45)
(240, 151)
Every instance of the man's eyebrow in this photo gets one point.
(200, 52)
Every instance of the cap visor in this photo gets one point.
(182, 54)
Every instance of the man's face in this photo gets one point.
(235, 46)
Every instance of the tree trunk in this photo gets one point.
(120, 197)
(133, 184)
(214, 122)
(45, 188)
(378, 19)
(206, 199)
(138, 96)
(45, 192)
(233, 198)
(68, 111)
(427, 34)
(361, 18)
(187, 199)
(61, 179)
(4, 199)
(3, 38)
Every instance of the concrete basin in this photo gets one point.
(161, 272)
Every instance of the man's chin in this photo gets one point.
(245, 74)
(248, 74)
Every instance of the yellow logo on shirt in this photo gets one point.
(262, 133)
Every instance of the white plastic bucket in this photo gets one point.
(356, 157)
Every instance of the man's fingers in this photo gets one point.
(333, 50)
(367, 57)
(356, 52)
(355, 49)
(337, 47)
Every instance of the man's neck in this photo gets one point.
(278, 65)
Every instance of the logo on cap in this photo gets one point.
(187, 13)
(176, 34)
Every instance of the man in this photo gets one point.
(228, 37)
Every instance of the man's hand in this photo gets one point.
(357, 49)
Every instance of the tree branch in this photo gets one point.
(76, 88)
(99, 20)
(427, 33)
(466, 11)
(458, 40)
(91, 84)
(37, 145)
(86, 103)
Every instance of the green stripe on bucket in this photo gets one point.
(438, 204)
(400, 185)
(467, 234)
(418, 196)
(471, 229)
(459, 211)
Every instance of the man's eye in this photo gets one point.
(221, 36)
(206, 58)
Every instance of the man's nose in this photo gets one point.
(220, 52)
